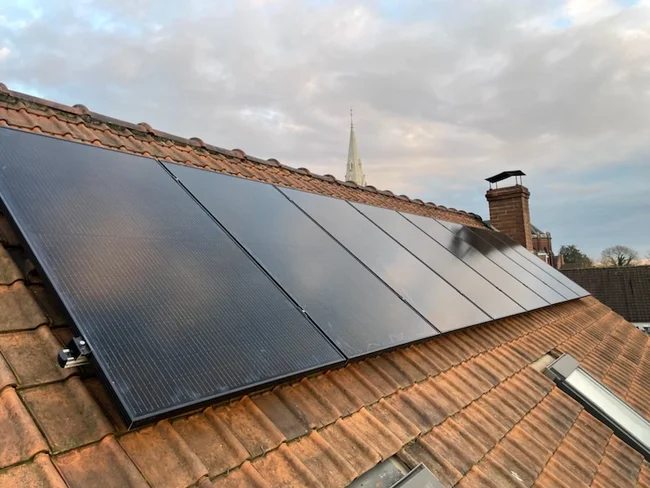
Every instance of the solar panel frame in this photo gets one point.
(35, 253)
(256, 240)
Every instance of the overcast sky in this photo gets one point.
(445, 93)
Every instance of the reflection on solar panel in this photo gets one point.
(175, 313)
(496, 256)
(433, 297)
(455, 272)
(492, 238)
(356, 310)
(515, 289)
(572, 285)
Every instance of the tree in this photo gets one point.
(619, 256)
(573, 255)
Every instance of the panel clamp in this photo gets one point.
(74, 354)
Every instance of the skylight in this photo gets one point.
(601, 402)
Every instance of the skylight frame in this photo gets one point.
(601, 402)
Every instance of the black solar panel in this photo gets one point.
(455, 272)
(491, 237)
(554, 273)
(356, 310)
(507, 264)
(176, 314)
(516, 290)
(433, 297)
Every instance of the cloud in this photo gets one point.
(4, 53)
(445, 93)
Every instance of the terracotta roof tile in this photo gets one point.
(48, 305)
(541, 423)
(18, 309)
(619, 466)
(558, 475)
(344, 400)
(394, 421)
(447, 400)
(245, 477)
(418, 407)
(105, 402)
(493, 474)
(422, 452)
(480, 424)
(32, 356)
(350, 380)
(7, 377)
(163, 457)
(350, 446)
(103, 464)
(394, 373)
(20, 439)
(67, 414)
(40, 473)
(644, 475)
(308, 403)
(9, 272)
(283, 468)
(456, 446)
(324, 462)
(520, 454)
(581, 450)
(381, 380)
(253, 429)
(285, 417)
(212, 441)
(373, 433)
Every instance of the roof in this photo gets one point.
(625, 289)
(468, 404)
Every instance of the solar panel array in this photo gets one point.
(192, 286)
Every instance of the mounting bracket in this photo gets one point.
(74, 354)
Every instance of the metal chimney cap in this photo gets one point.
(504, 175)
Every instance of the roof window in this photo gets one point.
(602, 403)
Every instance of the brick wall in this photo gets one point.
(510, 214)
(625, 290)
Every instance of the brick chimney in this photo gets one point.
(509, 210)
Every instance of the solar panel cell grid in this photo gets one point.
(355, 309)
(433, 297)
(175, 312)
(463, 278)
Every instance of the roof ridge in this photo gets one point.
(83, 112)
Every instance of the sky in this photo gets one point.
(445, 92)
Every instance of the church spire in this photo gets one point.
(354, 170)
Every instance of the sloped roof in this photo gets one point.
(468, 404)
(625, 289)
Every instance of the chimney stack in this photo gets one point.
(509, 210)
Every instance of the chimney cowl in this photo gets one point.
(517, 173)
